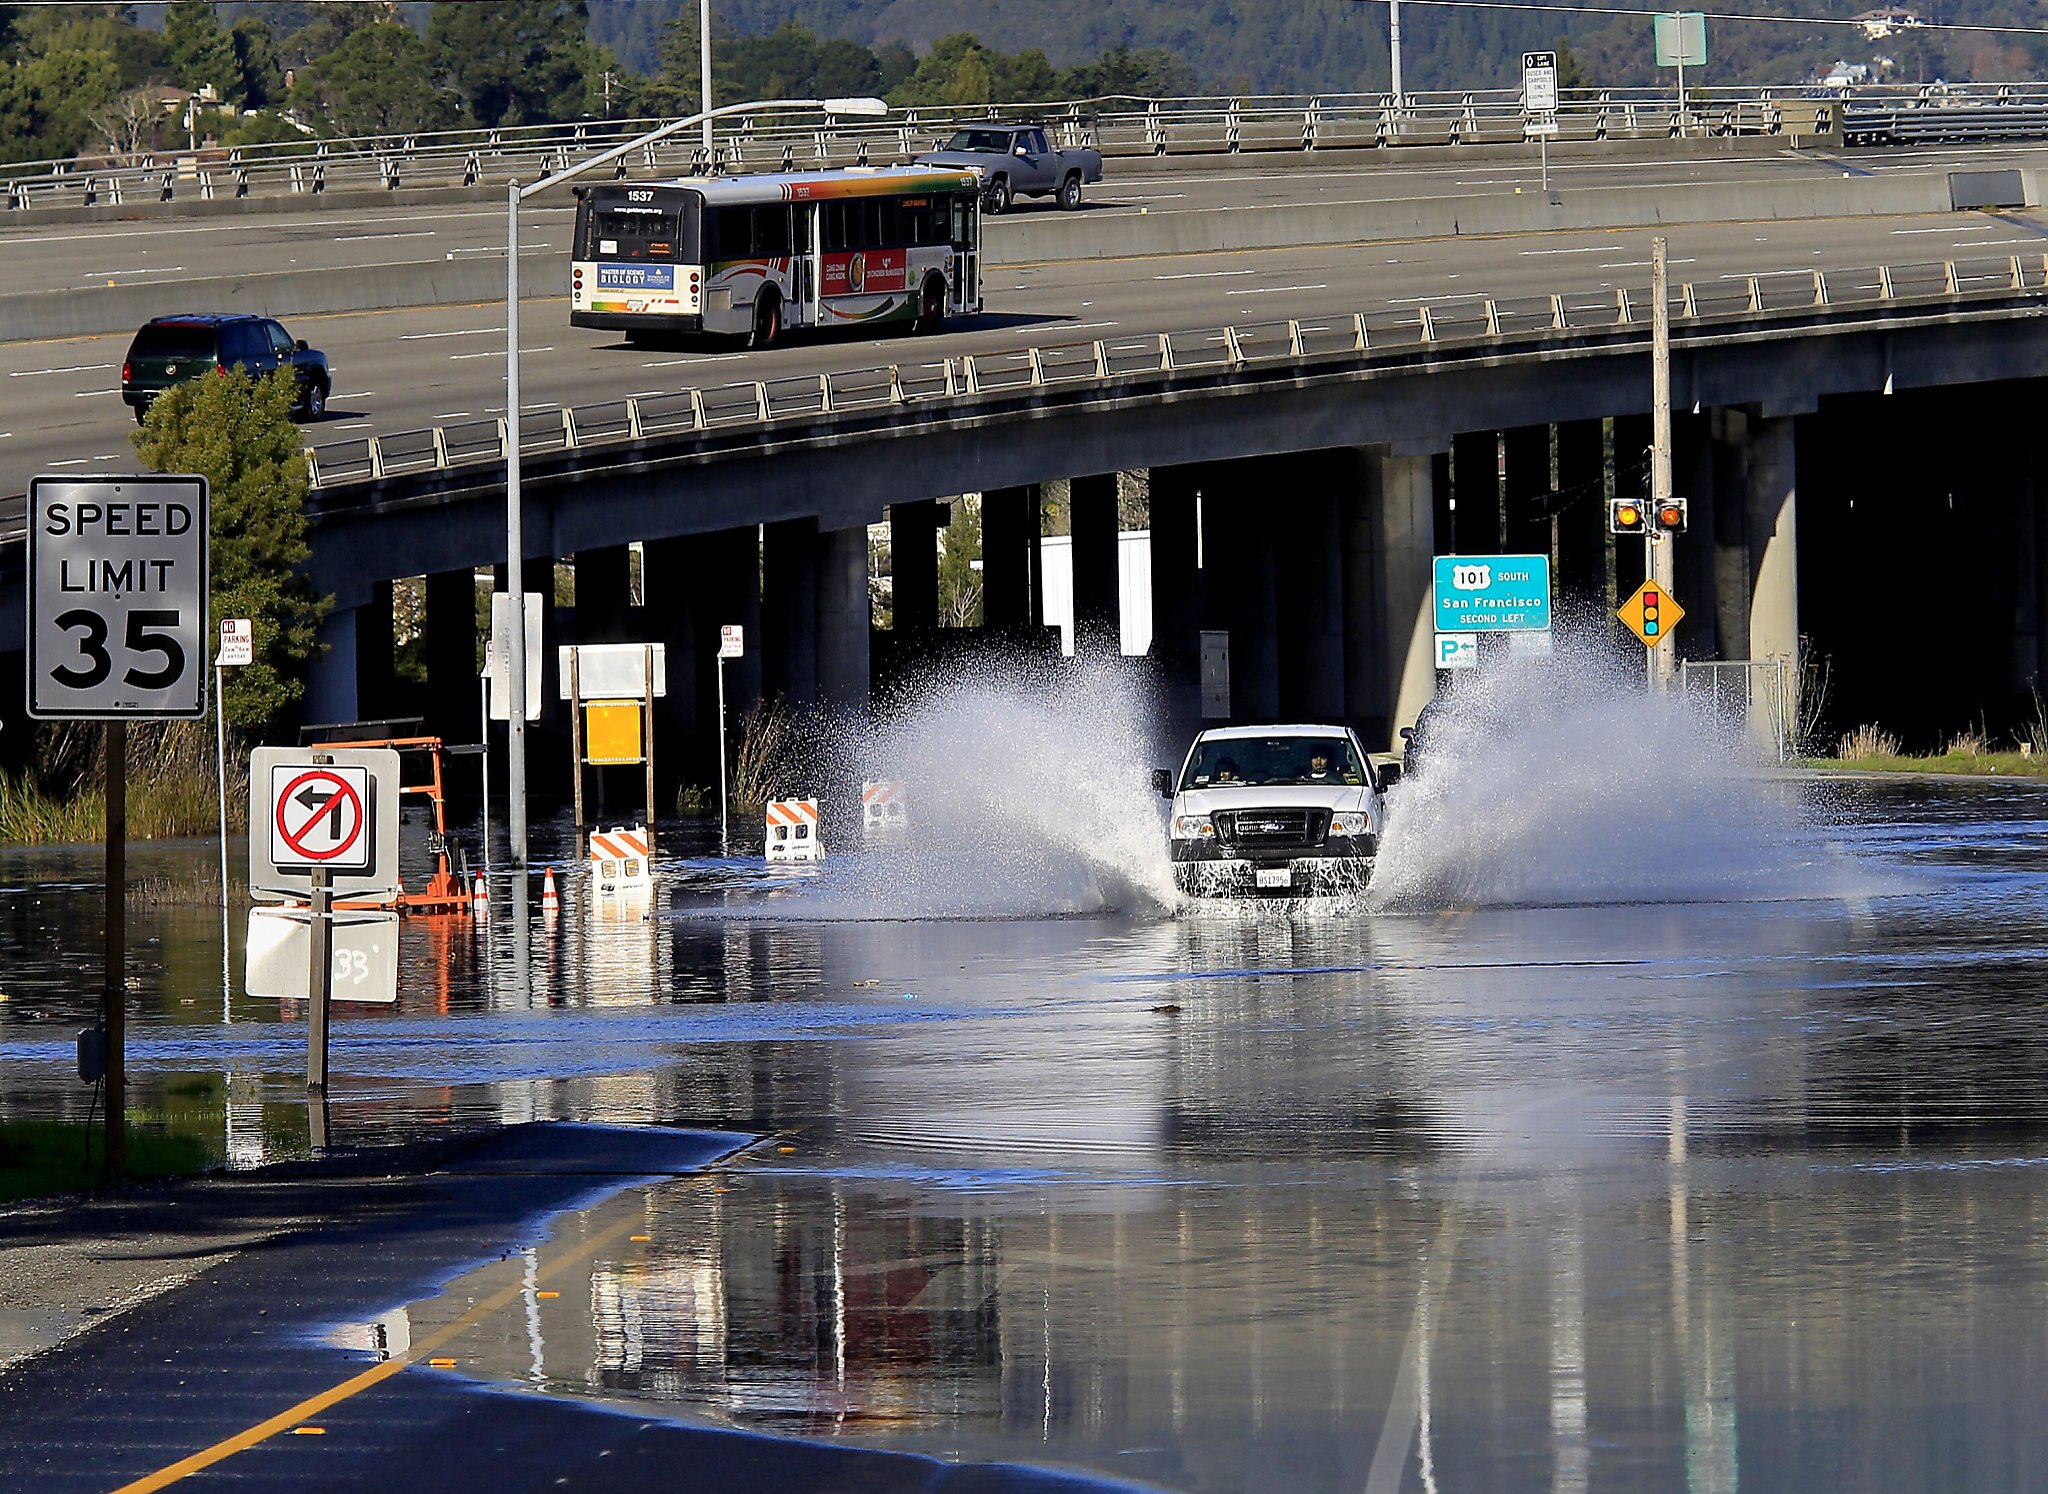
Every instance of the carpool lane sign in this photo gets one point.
(117, 591)
(1492, 593)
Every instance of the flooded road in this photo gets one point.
(1602, 1173)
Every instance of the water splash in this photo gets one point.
(1560, 780)
(1027, 798)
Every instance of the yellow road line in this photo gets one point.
(313, 1405)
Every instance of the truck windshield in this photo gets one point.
(1281, 760)
(995, 140)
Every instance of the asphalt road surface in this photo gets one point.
(1628, 1135)
(407, 369)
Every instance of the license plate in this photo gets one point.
(1275, 876)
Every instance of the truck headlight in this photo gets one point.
(1350, 822)
(1192, 827)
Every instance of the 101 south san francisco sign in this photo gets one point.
(117, 594)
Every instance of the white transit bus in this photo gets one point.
(750, 256)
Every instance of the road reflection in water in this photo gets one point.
(1703, 1196)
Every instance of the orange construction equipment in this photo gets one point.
(444, 892)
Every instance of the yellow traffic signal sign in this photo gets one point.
(1651, 613)
(1624, 516)
(1671, 516)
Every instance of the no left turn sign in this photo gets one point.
(319, 817)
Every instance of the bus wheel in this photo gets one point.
(1070, 191)
(767, 320)
(931, 307)
(997, 198)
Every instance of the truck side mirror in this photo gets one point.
(1407, 733)
(1389, 775)
(1162, 782)
(301, 346)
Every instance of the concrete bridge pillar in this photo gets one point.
(1726, 504)
(331, 676)
(1097, 609)
(914, 566)
(789, 611)
(1580, 581)
(1010, 598)
(843, 619)
(1631, 480)
(1475, 493)
(1389, 542)
(1694, 457)
(1176, 589)
(1238, 581)
(453, 705)
(604, 592)
(1773, 524)
(1525, 490)
(1308, 554)
(377, 692)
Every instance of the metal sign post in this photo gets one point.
(1660, 563)
(237, 647)
(117, 596)
(732, 644)
(1539, 106)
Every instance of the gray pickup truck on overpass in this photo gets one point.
(1017, 160)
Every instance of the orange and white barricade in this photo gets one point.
(884, 809)
(621, 862)
(792, 831)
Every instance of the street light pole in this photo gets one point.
(515, 538)
(1663, 566)
(1394, 48)
(704, 62)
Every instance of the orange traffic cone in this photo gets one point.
(480, 898)
(550, 901)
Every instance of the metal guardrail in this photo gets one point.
(1118, 126)
(1461, 321)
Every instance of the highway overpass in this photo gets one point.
(1521, 424)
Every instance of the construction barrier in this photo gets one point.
(792, 831)
(884, 808)
(621, 862)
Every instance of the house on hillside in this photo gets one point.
(1877, 24)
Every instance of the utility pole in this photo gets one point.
(1394, 47)
(1659, 563)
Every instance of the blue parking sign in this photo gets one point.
(1492, 593)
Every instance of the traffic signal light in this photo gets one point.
(1671, 516)
(1653, 609)
(1624, 516)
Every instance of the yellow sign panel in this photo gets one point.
(611, 732)
(1651, 613)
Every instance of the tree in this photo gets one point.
(201, 52)
(261, 81)
(513, 63)
(127, 125)
(237, 432)
(377, 82)
(1154, 73)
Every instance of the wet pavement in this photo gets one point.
(1715, 1169)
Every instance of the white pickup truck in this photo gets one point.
(1017, 160)
(1274, 810)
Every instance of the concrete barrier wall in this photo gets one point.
(1030, 236)
(1085, 236)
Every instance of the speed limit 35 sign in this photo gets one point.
(117, 593)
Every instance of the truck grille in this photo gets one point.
(1275, 827)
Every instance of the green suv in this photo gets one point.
(172, 349)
